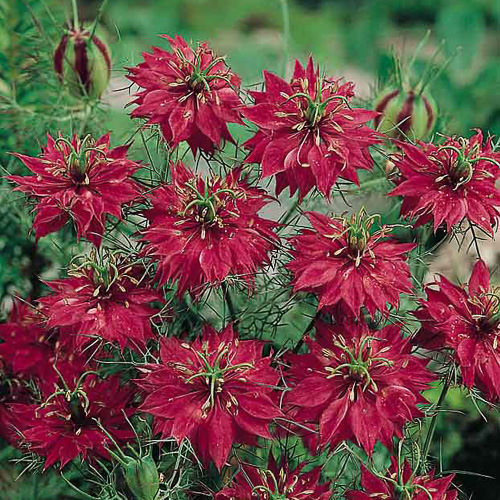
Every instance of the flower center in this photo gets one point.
(355, 364)
(358, 237)
(76, 159)
(213, 374)
(206, 206)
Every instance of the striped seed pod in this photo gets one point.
(405, 114)
(83, 64)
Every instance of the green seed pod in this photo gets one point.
(142, 477)
(83, 64)
(405, 114)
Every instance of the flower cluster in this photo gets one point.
(91, 371)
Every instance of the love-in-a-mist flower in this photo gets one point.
(359, 384)
(215, 391)
(189, 92)
(401, 483)
(277, 482)
(308, 133)
(466, 320)
(449, 183)
(105, 298)
(77, 179)
(70, 421)
(203, 230)
(343, 262)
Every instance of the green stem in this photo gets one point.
(285, 12)
(432, 428)
(229, 302)
(291, 211)
(474, 238)
(97, 19)
(76, 20)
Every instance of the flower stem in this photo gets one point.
(229, 302)
(432, 428)
(76, 20)
(474, 239)
(285, 12)
(291, 211)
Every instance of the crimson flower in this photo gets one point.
(466, 320)
(215, 391)
(340, 261)
(359, 384)
(449, 183)
(309, 135)
(277, 482)
(402, 483)
(201, 231)
(190, 93)
(106, 300)
(65, 425)
(27, 347)
(82, 180)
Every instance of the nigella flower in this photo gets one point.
(202, 230)
(359, 384)
(190, 93)
(70, 421)
(403, 483)
(309, 135)
(449, 183)
(78, 179)
(277, 482)
(215, 391)
(340, 261)
(104, 298)
(27, 347)
(467, 320)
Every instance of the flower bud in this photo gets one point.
(405, 114)
(142, 477)
(83, 64)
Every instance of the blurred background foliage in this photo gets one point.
(351, 38)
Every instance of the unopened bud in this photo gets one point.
(82, 63)
(405, 114)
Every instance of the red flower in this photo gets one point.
(27, 348)
(201, 231)
(343, 263)
(191, 94)
(448, 183)
(104, 300)
(402, 482)
(467, 321)
(308, 133)
(215, 391)
(252, 483)
(64, 425)
(79, 179)
(358, 384)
